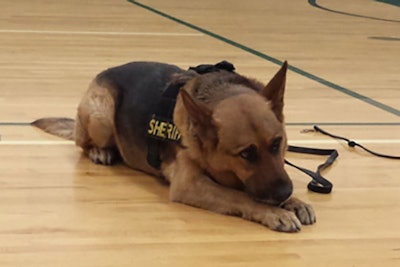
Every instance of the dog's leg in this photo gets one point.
(94, 129)
(192, 187)
(303, 211)
(204, 193)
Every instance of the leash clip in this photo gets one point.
(308, 131)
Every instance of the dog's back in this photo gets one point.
(113, 115)
(137, 88)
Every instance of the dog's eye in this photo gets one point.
(276, 145)
(250, 154)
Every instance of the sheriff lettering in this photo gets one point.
(163, 130)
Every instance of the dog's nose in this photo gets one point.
(274, 193)
(282, 191)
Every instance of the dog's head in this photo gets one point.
(241, 140)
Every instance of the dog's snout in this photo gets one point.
(283, 190)
(274, 193)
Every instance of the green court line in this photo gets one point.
(385, 38)
(316, 5)
(390, 2)
(309, 75)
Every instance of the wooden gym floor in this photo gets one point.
(59, 209)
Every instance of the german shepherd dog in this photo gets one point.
(230, 158)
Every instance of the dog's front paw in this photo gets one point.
(282, 220)
(103, 156)
(303, 211)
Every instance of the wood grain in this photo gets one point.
(59, 209)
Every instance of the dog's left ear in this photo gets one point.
(201, 120)
(275, 90)
(198, 112)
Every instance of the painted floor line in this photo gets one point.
(292, 142)
(316, 5)
(36, 143)
(269, 58)
(101, 33)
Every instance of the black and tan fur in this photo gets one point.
(231, 159)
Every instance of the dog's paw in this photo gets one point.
(304, 212)
(283, 221)
(103, 156)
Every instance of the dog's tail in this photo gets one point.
(62, 127)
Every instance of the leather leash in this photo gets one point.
(319, 184)
(352, 143)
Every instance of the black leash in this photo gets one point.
(352, 143)
(319, 184)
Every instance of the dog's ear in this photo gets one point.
(198, 112)
(275, 90)
(200, 118)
